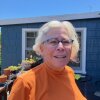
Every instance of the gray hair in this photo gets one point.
(43, 31)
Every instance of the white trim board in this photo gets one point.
(83, 41)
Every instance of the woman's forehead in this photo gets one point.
(56, 35)
(56, 32)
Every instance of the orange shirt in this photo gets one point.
(43, 83)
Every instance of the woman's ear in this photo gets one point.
(41, 49)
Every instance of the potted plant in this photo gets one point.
(6, 71)
(3, 78)
(26, 64)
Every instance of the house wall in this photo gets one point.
(12, 44)
(92, 45)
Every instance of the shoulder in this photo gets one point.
(69, 69)
(27, 80)
(31, 74)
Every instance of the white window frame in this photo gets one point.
(83, 48)
(24, 31)
(83, 44)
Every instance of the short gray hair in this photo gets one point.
(53, 24)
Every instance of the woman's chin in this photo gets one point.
(60, 65)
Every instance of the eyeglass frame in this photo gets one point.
(68, 42)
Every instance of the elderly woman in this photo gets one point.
(57, 43)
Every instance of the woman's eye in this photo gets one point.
(66, 42)
(53, 42)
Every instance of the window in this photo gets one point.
(80, 65)
(28, 39)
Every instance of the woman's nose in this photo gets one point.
(60, 46)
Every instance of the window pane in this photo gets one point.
(31, 53)
(30, 42)
(31, 34)
(28, 53)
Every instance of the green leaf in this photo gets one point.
(77, 76)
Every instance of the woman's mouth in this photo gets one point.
(60, 56)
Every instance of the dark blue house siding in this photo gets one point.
(12, 43)
(92, 45)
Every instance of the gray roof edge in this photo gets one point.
(48, 18)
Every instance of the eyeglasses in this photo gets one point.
(54, 42)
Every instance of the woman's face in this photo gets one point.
(56, 54)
